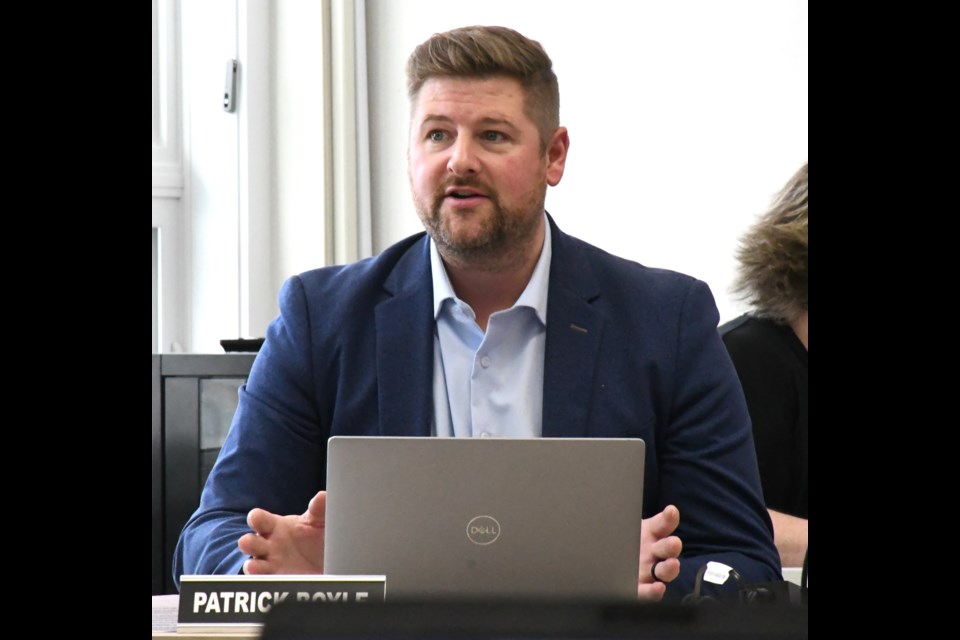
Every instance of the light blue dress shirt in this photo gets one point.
(489, 384)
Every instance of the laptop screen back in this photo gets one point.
(481, 518)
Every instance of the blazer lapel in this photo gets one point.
(405, 347)
(573, 341)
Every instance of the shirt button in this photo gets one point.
(485, 361)
(484, 434)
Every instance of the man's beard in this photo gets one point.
(503, 233)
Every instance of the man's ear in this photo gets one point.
(557, 155)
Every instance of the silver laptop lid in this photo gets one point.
(487, 517)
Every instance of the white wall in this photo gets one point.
(685, 118)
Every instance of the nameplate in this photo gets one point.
(242, 600)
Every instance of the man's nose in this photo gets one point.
(463, 157)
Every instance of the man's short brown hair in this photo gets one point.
(483, 52)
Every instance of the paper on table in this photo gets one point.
(165, 612)
(792, 574)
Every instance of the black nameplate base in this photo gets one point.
(241, 601)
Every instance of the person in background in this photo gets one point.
(768, 346)
(491, 323)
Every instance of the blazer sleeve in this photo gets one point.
(274, 453)
(706, 457)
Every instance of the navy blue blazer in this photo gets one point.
(631, 351)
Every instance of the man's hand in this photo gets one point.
(659, 551)
(286, 544)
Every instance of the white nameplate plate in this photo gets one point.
(230, 602)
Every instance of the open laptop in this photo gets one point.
(487, 518)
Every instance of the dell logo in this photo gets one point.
(483, 530)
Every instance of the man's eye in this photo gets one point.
(436, 136)
(493, 136)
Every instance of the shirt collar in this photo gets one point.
(533, 296)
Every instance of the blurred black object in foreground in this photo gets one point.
(290, 620)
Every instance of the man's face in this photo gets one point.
(478, 177)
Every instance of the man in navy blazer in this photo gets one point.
(626, 350)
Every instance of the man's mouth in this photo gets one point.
(463, 193)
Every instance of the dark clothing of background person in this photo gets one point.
(772, 365)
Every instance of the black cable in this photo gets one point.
(695, 597)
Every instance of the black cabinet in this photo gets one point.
(194, 399)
